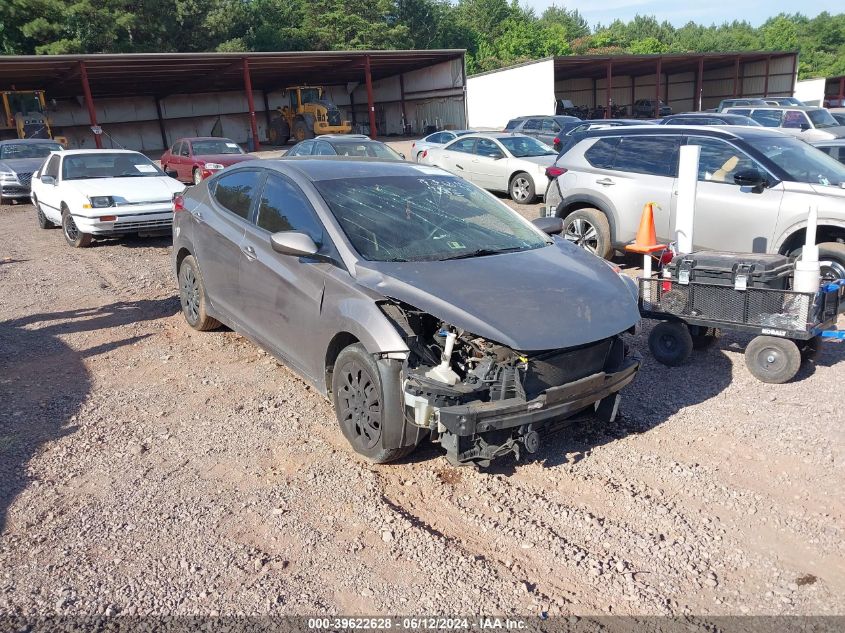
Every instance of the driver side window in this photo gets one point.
(721, 161)
(185, 151)
(488, 148)
(465, 145)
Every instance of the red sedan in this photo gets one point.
(195, 159)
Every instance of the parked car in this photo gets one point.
(19, 158)
(419, 304)
(834, 148)
(647, 108)
(546, 129)
(708, 118)
(839, 115)
(785, 101)
(808, 123)
(438, 139)
(577, 133)
(96, 193)
(755, 186)
(514, 163)
(356, 145)
(194, 159)
(724, 104)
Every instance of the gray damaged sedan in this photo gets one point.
(419, 303)
(19, 158)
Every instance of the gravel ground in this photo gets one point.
(146, 468)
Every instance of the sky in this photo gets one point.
(679, 13)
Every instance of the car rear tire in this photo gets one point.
(521, 188)
(73, 236)
(670, 343)
(832, 260)
(192, 296)
(196, 176)
(358, 398)
(589, 229)
(419, 156)
(43, 222)
(773, 360)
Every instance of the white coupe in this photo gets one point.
(97, 193)
(514, 163)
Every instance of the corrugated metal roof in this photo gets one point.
(162, 74)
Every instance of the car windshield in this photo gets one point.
(208, 148)
(822, 118)
(108, 165)
(365, 148)
(803, 162)
(525, 146)
(11, 151)
(424, 217)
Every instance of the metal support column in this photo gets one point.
(371, 107)
(657, 88)
(252, 122)
(89, 101)
(402, 102)
(161, 129)
(766, 79)
(609, 89)
(736, 77)
(699, 86)
(841, 93)
(267, 118)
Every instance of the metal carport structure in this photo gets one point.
(159, 76)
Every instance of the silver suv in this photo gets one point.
(808, 123)
(755, 187)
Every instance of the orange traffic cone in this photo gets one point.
(646, 241)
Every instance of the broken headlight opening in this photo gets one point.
(481, 400)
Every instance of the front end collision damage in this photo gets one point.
(499, 400)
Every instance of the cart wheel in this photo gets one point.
(670, 343)
(703, 337)
(773, 360)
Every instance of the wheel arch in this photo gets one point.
(570, 205)
(824, 233)
(339, 342)
(183, 252)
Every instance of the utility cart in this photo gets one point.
(788, 324)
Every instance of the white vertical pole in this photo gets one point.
(687, 187)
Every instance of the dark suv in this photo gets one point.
(645, 108)
(754, 188)
(546, 129)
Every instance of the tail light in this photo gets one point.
(425, 153)
(557, 140)
(413, 145)
(554, 172)
(178, 203)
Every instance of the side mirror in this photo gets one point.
(497, 156)
(172, 173)
(552, 226)
(48, 180)
(751, 178)
(402, 155)
(293, 243)
(805, 127)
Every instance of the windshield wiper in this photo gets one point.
(481, 252)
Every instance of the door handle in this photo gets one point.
(674, 193)
(605, 181)
(197, 215)
(249, 251)
(458, 166)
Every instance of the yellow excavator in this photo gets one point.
(308, 115)
(23, 115)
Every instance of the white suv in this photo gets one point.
(754, 191)
(809, 123)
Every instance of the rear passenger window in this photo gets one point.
(464, 145)
(550, 126)
(323, 149)
(532, 124)
(767, 118)
(284, 207)
(236, 191)
(602, 152)
(795, 119)
(652, 155)
(742, 111)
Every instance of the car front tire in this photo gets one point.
(358, 398)
(73, 236)
(589, 229)
(521, 188)
(196, 176)
(832, 260)
(192, 296)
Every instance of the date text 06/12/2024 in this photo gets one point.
(418, 623)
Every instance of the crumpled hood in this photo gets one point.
(547, 298)
(21, 165)
(146, 189)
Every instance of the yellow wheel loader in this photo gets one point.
(23, 115)
(308, 115)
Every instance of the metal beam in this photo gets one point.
(164, 142)
(89, 101)
(766, 80)
(252, 122)
(402, 102)
(736, 76)
(371, 107)
(609, 86)
(699, 86)
(657, 88)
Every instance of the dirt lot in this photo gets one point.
(146, 468)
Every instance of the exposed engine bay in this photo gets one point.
(481, 400)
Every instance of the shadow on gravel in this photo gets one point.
(133, 241)
(44, 382)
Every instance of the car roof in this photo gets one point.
(494, 135)
(727, 132)
(72, 152)
(27, 141)
(204, 138)
(318, 168)
(786, 107)
(360, 137)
